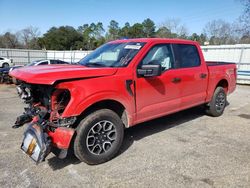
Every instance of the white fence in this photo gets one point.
(24, 56)
(239, 54)
(69, 56)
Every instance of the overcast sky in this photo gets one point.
(18, 14)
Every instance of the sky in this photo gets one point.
(44, 14)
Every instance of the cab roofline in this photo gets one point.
(149, 40)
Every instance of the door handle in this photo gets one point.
(176, 80)
(203, 75)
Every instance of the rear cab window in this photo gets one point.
(186, 55)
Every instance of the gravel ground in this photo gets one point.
(186, 149)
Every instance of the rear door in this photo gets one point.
(192, 73)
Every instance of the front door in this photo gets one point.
(157, 96)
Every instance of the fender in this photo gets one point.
(86, 102)
(108, 95)
(100, 96)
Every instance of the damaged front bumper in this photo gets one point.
(47, 131)
(39, 142)
(36, 143)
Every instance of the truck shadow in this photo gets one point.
(138, 132)
(155, 126)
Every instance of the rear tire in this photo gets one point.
(99, 137)
(217, 105)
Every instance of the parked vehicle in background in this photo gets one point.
(37, 63)
(119, 85)
(4, 74)
(5, 62)
(47, 62)
(41, 62)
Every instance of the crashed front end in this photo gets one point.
(47, 130)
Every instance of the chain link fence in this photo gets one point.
(239, 54)
(24, 56)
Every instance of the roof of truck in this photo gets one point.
(156, 40)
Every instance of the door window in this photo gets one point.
(159, 54)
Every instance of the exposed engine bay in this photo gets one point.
(44, 102)
(47, 128)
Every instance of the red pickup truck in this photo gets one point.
(120, 84)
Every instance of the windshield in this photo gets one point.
(113, 55)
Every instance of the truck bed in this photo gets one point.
(219, 71)
(216, 63)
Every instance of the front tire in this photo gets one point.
(99, 137)
(217, 105)
(6, 65)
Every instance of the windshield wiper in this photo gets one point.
(96, 64)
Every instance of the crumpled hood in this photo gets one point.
(49, 74)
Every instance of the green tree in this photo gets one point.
(113, 30)
(62, 38)
(124, 32)
(148, 27)
(86, 32)
(164, 32)
(199, 38)
(194, 37)
(203, 39)
(98, 30)
(92, 35)
(136, 31)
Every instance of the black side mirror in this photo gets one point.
(149, 70)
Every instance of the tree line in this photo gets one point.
(90, 36)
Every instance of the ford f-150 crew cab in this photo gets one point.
(120, 84)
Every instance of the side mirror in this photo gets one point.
(149, 70)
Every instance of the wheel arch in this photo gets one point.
(3, 63)
(223, 83)
(111, 104)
